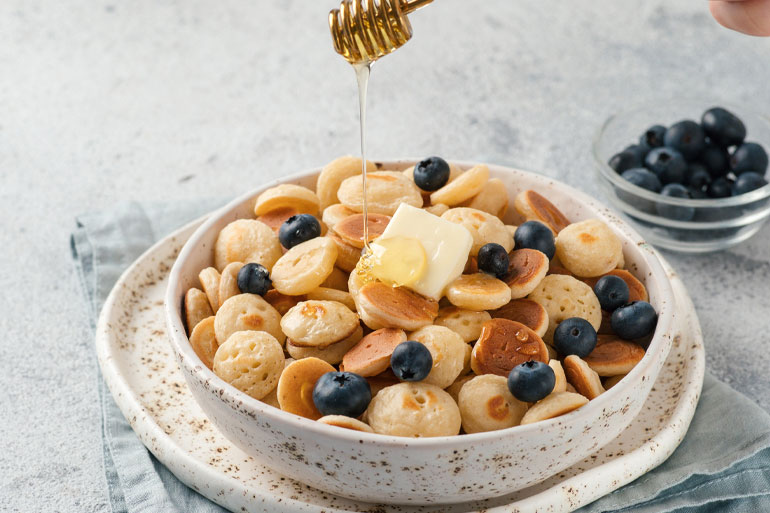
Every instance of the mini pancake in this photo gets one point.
(334, 173)
(529, 313)
(287, 195)
(346, 423)
(247, 312)
(414, 410)
(503, 345)
(636, 289)
(333, 353)
(486, 404)
(333, 214)
(589, 248)
(327, 294)
(275, 218)
(319, 324)
(383, 306)
(535, 207)
(304, 267)
(351, 229)
(466, 323)
(295, 386)
(462, 188)
(527, 269)
(203, 340)
(228, 282)
(347, 255)
(613, 356)
(247, 241)
(251, 361)
(282, 302)
(478, 291)
(561, 379)
(493, 198)
(564, 297)
(209, 278)
(554, 405)
(582, 377)
(371, 356)
(196, 308)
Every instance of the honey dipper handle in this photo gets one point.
(412, 6)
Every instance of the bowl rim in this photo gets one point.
(609, 174)
(220, 389)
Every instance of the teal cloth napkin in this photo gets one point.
(723, 464)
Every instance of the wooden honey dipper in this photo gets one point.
(365, 30)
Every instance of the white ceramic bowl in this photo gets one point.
(386, 469)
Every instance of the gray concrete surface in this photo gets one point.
(104, 101)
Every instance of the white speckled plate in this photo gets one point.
(143, 376)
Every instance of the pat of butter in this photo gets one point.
(446, 245)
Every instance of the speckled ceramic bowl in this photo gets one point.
(377, 468)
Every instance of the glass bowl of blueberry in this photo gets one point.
(691, 175)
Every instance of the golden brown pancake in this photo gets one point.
(529, 313)
(527, 268)
(534, 206)
(371, 356)
(582, 377)
(351, 229)
(275, 218)
(395, 307)
(504, 344)
(613, 356)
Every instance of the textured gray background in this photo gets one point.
(155, 100)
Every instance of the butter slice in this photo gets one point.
(446, 244)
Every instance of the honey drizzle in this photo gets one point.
(363, 71)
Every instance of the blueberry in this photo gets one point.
(411, 361)
(668, 164)
(531, 381)
(747, 182)
(342, 393)
(642, 177)
(749, 156)
(574, 336)
(653, 137)
(640, 150)
(715, 160)
(298, 229)
(675, 212)
(612, 292)
(687, 137)
(493, 259)
(431, 174)
(535, 235)
(719, 188)
(697, 176)
(624, 160)
(634, 320)
(254, 279)
(723, 127)
(697, 193)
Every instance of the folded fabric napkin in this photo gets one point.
(722, 465)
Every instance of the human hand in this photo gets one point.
(748, 16)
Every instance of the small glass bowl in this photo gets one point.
(714, 224)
